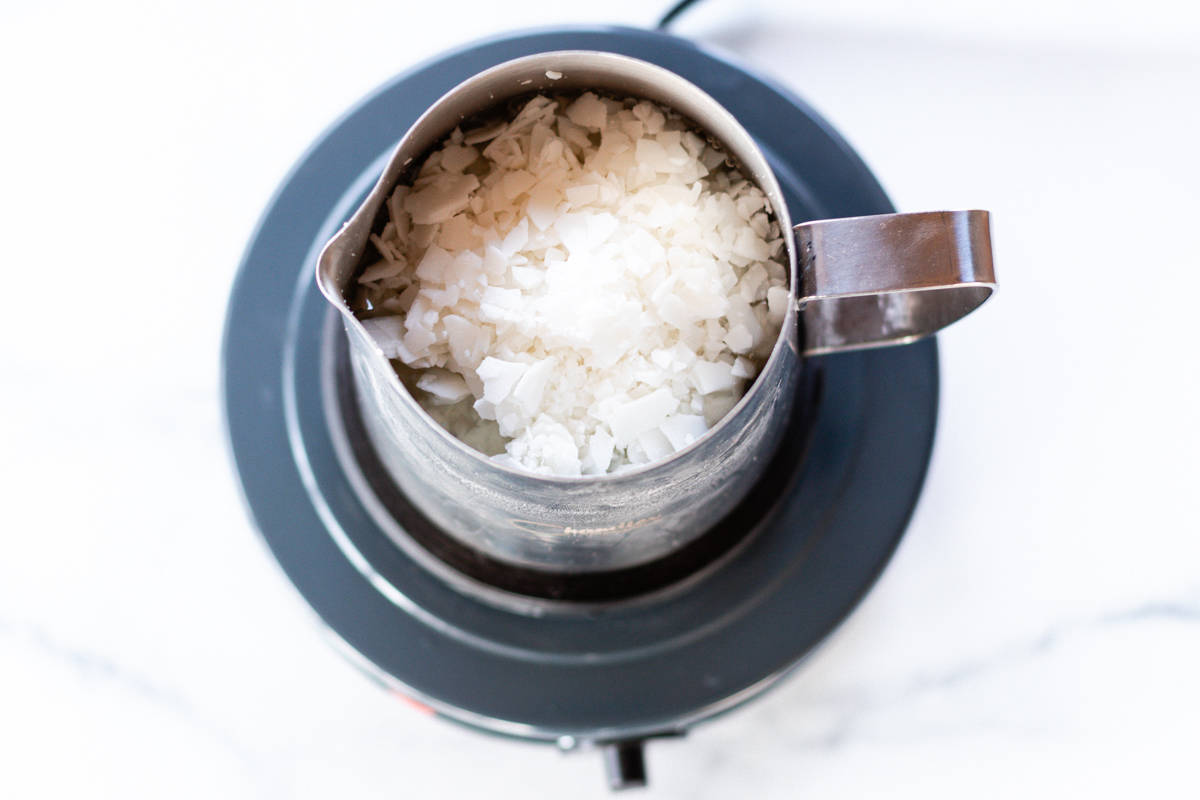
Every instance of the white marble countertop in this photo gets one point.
(1038, 633)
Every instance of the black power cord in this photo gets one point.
(674, 11)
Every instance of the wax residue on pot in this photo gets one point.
(585, 286)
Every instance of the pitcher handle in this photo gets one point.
(892, 278)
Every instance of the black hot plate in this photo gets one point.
(608, 671)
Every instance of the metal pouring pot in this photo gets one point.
(854, 283)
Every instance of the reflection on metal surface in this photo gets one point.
(892, 278)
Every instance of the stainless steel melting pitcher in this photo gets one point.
(859, 282)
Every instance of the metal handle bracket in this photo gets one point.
(892, 278)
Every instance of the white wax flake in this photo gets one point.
(504, 298)
(440, 298)
(650, 153)
(547, 446)
(432, 268)
(683, 429)
(500, 305)
(387, 333)
(516, 239)
(441, 200)
(752, 283)
(748, 245)
(572, 231)
(418, 339)
(582, 195)
(517, 183)
(598, 454)
(630, 419)
(703, 303)
(661, 358)
(654, 444)
(527, 277)
(456, 158)
(543, 207)
(484, 134)
(486, 409)
(587, 112)
(494, 261)
(601, 227)
(743, 368)
(712, 376)
(443, 386)
(499, 378)
(777, 298)
(381, 270)
(529, 389)
(463, 338)
(672, 310)
(739, 339)
(594, 280)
